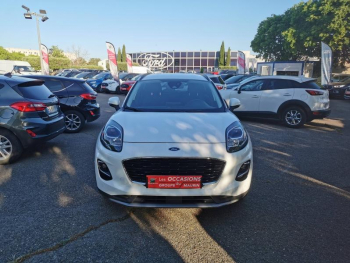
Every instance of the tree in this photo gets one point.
(94, 61)
(56, 52)
(4, 54)
(297, 34)
(222, 55)
(119, 57)
(123, 54)
(228, 58)
(80, 55)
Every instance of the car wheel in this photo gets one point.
(117, 90)
(74, 121)
(98, 89)
(294, 117)
(10, 147)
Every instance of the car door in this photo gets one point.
(274, 93)
(249, 95)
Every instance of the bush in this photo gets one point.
(55, 63)
(228, 67)
(87, 67)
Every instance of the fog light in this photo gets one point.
(104, 172)
(243, 171)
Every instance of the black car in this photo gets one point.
(77, 100)
(29, 113)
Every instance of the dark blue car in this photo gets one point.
(96, 81)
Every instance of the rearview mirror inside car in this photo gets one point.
(234, 104)
(114, 102)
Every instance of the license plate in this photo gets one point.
(174, 181)
(51, 110)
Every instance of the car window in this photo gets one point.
(54, 85)
(274, 84)
(234, 79)
(309, 85)
(36, 92)
(174, 96)
(254, 85)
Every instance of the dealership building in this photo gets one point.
(175, 61)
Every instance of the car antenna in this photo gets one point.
(8, 74)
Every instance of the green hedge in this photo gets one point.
(228, 67)
(87, 67)
(55, 63)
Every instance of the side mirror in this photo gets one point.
(234, 104)
(114, 102)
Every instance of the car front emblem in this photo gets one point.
(174, 149)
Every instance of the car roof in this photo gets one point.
(299, 79)
(54, 77)
(14, 80)
(182, 76)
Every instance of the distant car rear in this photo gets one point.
(29, 113)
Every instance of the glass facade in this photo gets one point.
(176, 61)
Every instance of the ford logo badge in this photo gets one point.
(174, 149)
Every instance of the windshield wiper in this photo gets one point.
(132, 109)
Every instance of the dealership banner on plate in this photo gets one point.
(112, 59)
(326, 64)
(241, 63)
(129, 63)
(45, 60)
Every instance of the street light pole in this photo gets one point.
(39, 42)
(28, 15)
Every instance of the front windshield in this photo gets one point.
(174, 96)
(136, 78)
(234, 79)
(99, 76)
(23, 69)
(81, 75)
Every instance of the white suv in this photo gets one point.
(293, 100)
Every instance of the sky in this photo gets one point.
(142, 25)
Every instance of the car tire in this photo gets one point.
(117, 90)
(10, 147)
(294, 117)
(99, 89)
(74, 121)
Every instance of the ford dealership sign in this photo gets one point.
(156, 60)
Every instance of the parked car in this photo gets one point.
(235, 80)
(96, 81)
(72, 74)
(218, 81)
(16, 67)
(337, 89)
(227, 76)
(174, 143)
(29, 113)
(293, 100)
(77, 100)
(66, 72)
(127, 85)
(112, 85)
(347, 92)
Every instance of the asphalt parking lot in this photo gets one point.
(298, 209)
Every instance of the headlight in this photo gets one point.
(236, 137)
(339, 86)
(112, 136)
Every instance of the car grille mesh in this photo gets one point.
(138, 168)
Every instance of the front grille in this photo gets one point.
(138, 168)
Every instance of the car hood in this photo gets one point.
(165, 127)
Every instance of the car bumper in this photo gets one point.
(223, 192)
(44, 130)
(92, 112)
(320, 114)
